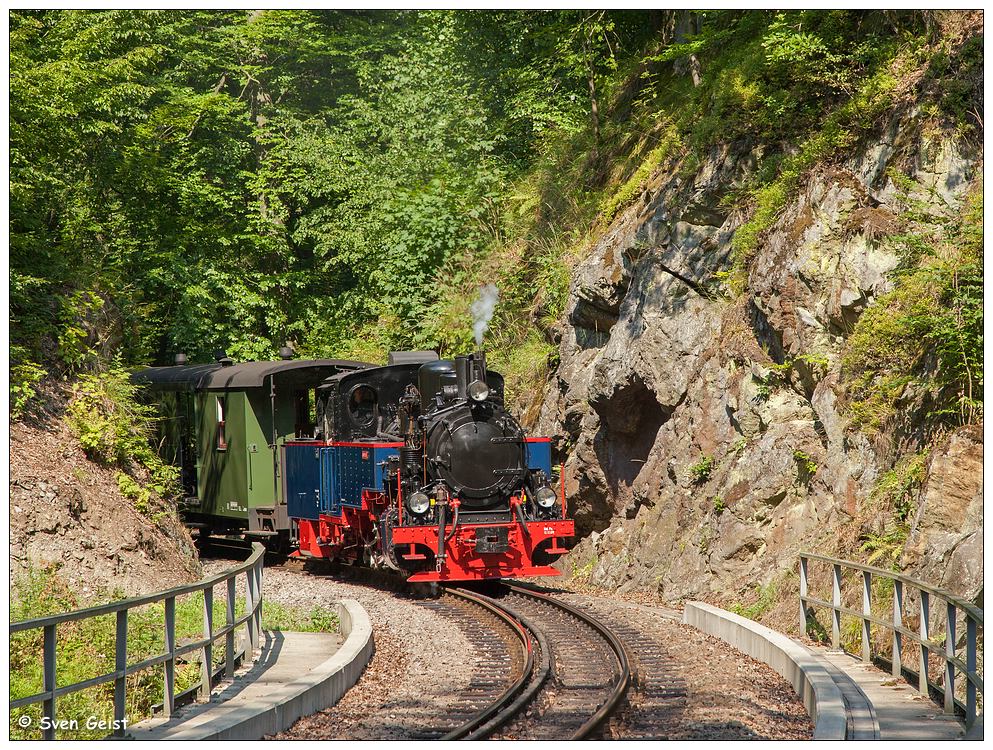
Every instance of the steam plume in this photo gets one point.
(482, 310)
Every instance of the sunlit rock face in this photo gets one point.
(694, 465)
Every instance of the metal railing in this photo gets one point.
(251, 619)
(926, 642)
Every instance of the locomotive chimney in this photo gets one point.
(480, 365)
(285, 352)
(180, 359)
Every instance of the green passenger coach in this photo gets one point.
(224, 424)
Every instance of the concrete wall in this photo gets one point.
(793, 662)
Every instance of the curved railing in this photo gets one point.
(251, 619)
(926, 641)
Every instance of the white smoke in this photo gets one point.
(482, 310)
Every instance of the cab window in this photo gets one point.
(305, 417)
(362, 400)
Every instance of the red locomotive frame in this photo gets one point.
(348, 535)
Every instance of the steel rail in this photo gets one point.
(619, 690)
(483, 719)
(540, 675)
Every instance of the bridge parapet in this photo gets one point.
(234, 654)
(927, 642)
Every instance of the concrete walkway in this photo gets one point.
(295, 675)
(899, 711)
(286, 658)
(846, 698)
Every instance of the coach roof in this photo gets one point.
(216, 376)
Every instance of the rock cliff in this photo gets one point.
(704, 432)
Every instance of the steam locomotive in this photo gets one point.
(415, 465)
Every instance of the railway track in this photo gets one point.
(544, 669)
(504, 651)
(575, 677)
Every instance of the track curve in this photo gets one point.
(578, 680)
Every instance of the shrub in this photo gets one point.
(700, 471)
(886, 546)
(765, 600)
(838, 131)
(929, 329)
(806, 466)
(897, 489)
(24, 378)
(115, 429)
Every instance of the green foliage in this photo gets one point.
(806, 466)
(928, 331)
(765, 600)
(897, 489)
(700, 471)
(318, 619)
(851, 634)
(887, 546)
(959, 76)
(86, 648)
(196, 180)
(115, 429)
(719, 505)
(582, 574)
(816, 54)
(76, 334)
(777, 376)
(838, 131)
(667, 144)
(24, 378)
(139, 496)
(199, 180)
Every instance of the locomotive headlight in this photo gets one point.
(545, 497)
(478, 390)
(418, 503)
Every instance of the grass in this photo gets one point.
(667, 145)
(766, 599)
(839, 130)
(86, 649)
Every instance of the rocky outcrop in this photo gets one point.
(702, 434)
(946, 539)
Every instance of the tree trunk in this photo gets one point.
(688, 23)
(591, 82)
(594, 107)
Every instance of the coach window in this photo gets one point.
(362, 405)
(222, 438)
